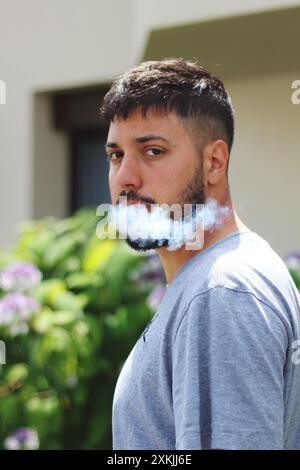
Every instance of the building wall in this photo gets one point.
(150, 14)
(43, 46)
(58, 44)
(265, 162)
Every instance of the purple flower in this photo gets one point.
(20, 277)
(15, 311)
(292, 261)
(71, 381)
(155, 298)
(294, 254)
(21, 439)
(150, 273)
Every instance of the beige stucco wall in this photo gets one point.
(64, 43)
(49, 45)
(265, 162)
(150, 14)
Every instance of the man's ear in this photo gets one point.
(215, 158)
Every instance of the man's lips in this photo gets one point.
(146, 204)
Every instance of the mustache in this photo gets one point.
(133, 196)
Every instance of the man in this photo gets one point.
(217, 366)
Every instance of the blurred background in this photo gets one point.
(83, 302)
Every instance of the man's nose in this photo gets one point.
(128, 173)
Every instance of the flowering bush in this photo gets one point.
(292, 261)
(22, 439)
(71, 308)
(15, 312)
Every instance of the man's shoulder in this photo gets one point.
(243, 263)
(234, 259)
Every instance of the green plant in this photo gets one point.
(71, 308)
(292, 261)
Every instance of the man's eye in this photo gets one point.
(114, 156)
(154, 151)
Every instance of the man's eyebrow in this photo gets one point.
(146, 138)
(139, 140)
(111, 145)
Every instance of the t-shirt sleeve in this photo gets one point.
(229, 354)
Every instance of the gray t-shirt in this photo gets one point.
(219, 364)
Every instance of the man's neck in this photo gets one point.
(172, 261)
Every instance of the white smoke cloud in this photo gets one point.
(186, 227)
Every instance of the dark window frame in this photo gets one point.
(76, 112)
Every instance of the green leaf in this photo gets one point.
(17, 372)
(97, 253)
(67, 301)
(48, 291)
(60, 250)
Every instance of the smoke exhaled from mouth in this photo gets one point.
(169, 226)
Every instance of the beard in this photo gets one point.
(192, 194)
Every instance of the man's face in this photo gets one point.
(153, 159)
